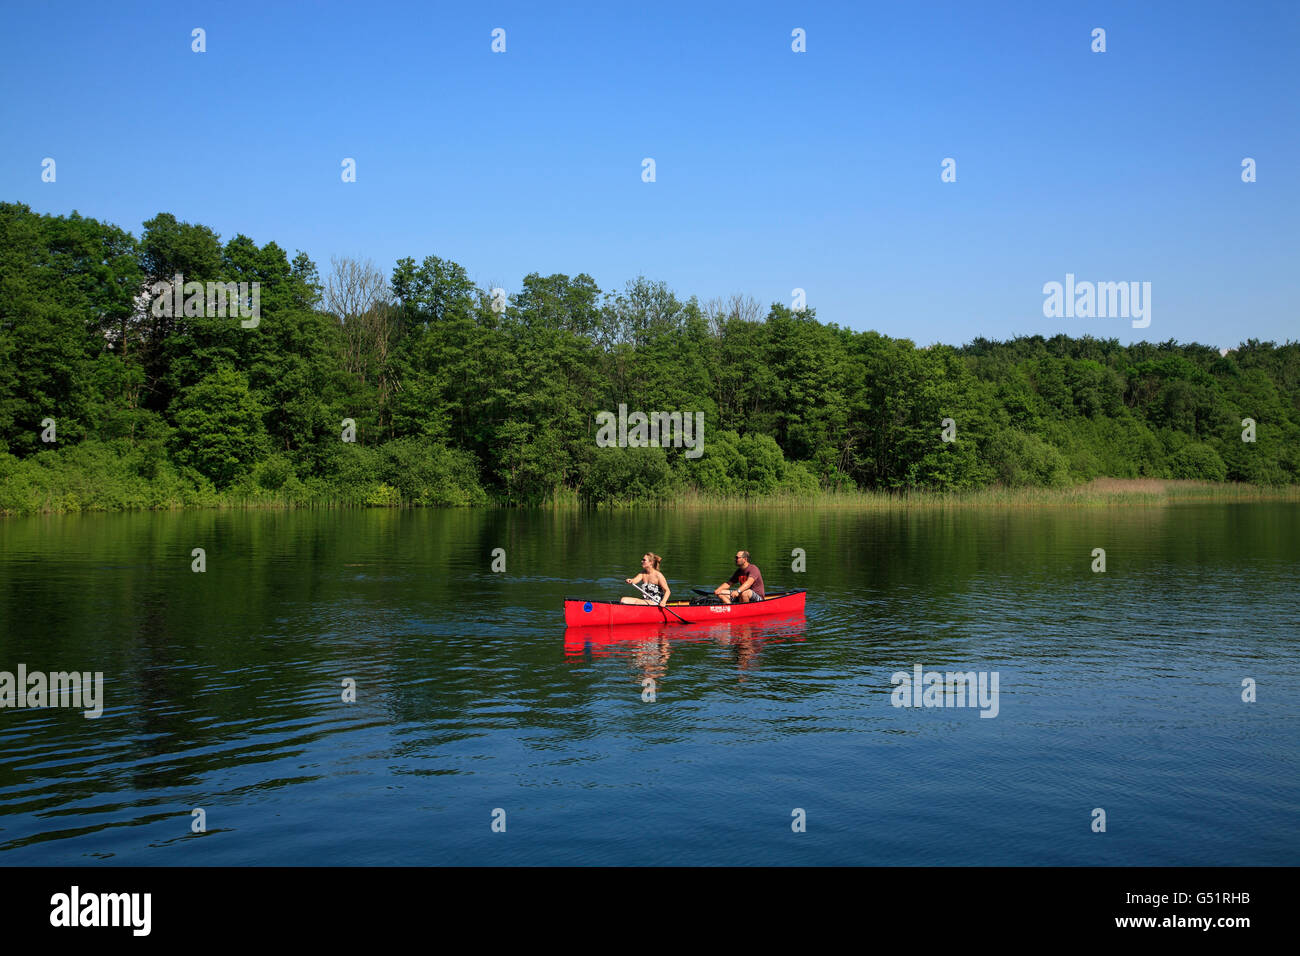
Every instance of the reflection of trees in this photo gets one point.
(210, 674)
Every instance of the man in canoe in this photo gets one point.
(653, 584)
(747, 579)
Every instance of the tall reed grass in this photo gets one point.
(1101, 492)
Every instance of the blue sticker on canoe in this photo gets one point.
(587, 607)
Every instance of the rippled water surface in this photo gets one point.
(1119, 690)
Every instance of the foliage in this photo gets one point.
(1198, 461)
(424, 389)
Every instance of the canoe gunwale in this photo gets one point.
(775, 596)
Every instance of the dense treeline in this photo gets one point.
(457, 397)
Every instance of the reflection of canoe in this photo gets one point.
(579, 613)
(603, 639)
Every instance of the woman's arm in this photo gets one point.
(666, 589)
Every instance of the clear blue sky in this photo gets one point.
(775, 170)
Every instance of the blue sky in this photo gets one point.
(775, 170)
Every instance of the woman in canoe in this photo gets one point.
(653, 584)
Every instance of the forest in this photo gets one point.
(420, 388)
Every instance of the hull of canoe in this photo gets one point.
(579, 613)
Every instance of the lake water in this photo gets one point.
(1119, 690)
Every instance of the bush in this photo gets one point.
(628, 474)
(748, 465)
(798, 479)
(381, 495)
(764, 464)
(94, 476)
(428, 473)
(1197, 461)
(1019, 459)
(716, 470)
(271, 473)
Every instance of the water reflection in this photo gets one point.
(650, 646)
(223, 688)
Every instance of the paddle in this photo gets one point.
(661, 607)
(707, 593)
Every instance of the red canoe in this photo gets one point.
(579, 613)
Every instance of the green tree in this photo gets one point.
(219, 431)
